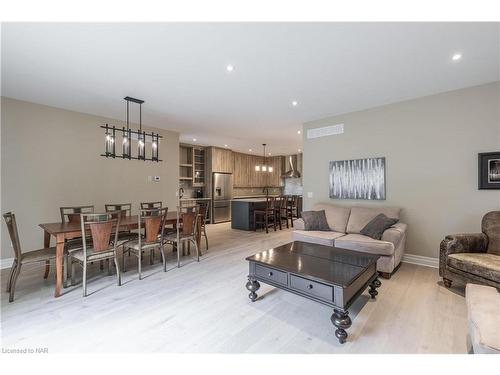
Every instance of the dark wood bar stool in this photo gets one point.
(267, 216)
(281, 210)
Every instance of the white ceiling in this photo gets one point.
(179, 70)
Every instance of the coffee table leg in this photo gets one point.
(342, 321)
(373, 288)
(253, 286)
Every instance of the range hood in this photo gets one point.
(291, 167)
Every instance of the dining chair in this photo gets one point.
(71, 214)
(185, 233)
(103, 228)
(124, 210)
(20, 258)
(153, 222)
(267, 216)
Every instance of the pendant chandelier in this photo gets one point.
(128, 136)
(264, 167)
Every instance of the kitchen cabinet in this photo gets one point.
(221, 160)
(245, 175)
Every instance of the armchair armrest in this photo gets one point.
(395, 233)
(298, 224)
(461, 243)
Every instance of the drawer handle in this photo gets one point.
(270, 273)
(309, 286)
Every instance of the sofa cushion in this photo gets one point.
(365, 244)
(318, 237)
(377, 226)
(360, 216)
(315, 220)
(480, 264)
(336, 216)
(483, 310)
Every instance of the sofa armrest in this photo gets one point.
(461, 243)
(395, 233)
(298, 224)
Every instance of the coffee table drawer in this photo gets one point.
(312, 288)
(271, 274)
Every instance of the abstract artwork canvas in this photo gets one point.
(358, 179)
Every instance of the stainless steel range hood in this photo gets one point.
(291, 166)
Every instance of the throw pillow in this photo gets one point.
(377, 226)
(315, 220)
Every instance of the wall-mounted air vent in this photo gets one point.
(325, 131)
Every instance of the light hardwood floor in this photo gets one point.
(204, 307)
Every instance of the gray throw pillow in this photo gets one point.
(377, 226)
(315, 220)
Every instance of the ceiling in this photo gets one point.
(179, 69)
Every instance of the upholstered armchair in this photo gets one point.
(473, 257)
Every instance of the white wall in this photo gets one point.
(51, 158)
(431, 146)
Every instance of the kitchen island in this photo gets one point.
(242, 212)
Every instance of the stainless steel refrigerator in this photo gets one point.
(222, 193)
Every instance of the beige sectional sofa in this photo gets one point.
(346, 223)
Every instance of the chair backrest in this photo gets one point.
(72, 214)
(203, 212)
(270, 202)
(153, 222)
(190, 221)
(10, 220)
(150, 205)
(124, 208)
(103, 228)
(490, 225)
(281, 202)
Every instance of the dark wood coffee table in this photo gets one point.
(325, 274)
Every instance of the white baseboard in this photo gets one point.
(6, 263)
(421, 260)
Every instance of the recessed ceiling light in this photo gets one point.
(194, 139)
(295, 103)
(229, 68)
(300, 150)
(250, 149)
(298, 132)
(269, 154)
(456, 56)
(225, 145)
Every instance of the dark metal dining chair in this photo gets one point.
(36, 256)
(124, 210)
(71, 214)
(103, 229)
(153, 222)
(185, 233)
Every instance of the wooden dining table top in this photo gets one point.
(127, 221)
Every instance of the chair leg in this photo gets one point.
(13, 282)
(197, 250)
(139, 265)
(254, 222)
(109, 267)
(47, 269)
(206, 237)
(72, 275)
(163, 259)
(124, 266)
(11, 274)
(118, 273)
(266, 223)
(274, 222)
(84, 281)
(65, 271)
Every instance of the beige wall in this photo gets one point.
(431, 146)
(51, 158)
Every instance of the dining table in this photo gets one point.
(66, 231)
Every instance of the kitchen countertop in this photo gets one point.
(254, 196)
(250, 200)
(195, 199)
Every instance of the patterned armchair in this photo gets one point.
(474, 257)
